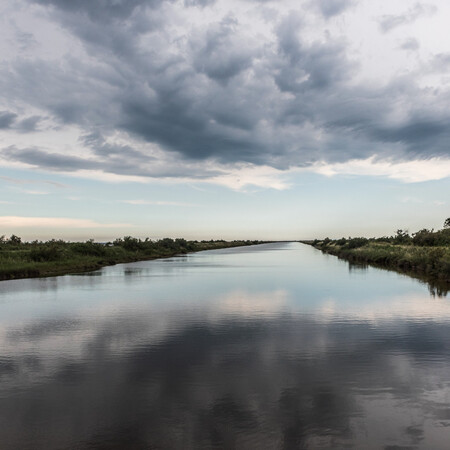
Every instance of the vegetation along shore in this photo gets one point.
(56, 257)
(424, 254)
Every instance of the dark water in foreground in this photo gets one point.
(274, 346)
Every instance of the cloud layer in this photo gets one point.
(192, 88)
(54, 222)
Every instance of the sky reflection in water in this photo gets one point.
(275, 346)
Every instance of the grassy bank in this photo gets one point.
(40, 259)
(425, 254)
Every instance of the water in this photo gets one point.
(271, 346)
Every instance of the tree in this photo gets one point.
(447, 223)
(14, 240)
(402, 237)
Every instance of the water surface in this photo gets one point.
(270, 346)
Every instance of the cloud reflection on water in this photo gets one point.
(241, 371)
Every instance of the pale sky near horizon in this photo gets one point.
(202, 119)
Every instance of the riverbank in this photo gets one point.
(43, 259)
(428, 263)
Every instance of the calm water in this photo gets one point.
(272, 346)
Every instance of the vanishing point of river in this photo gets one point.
(263, 347)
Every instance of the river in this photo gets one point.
(268, 346)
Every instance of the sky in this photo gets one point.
(223, 119)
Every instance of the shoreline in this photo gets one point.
(421, 263)
(89, 263)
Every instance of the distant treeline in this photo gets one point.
(20, 259)
(422, 238)
(425, 253)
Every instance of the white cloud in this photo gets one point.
(407, 171)
(389, 22)
(419, 306)
(55, 222)
(259, 303)
(34, 192)
(159, 203)
(19, 181)
(241, 177)
(411, 200)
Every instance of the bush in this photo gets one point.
(89, 248)
(430, 238)
(45, 253)
(402, 237)
(129, 243)
(356, 242)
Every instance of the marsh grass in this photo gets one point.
(37, 259)
(424, 255)
(432, 261)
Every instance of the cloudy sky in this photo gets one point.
(223, 118)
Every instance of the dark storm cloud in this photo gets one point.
(416, 132)
(215, 92)
(7, 119)
(44, 159)
(389, 22)
(101, 147)
(422, 131)
(441, 62)
(303, 68)
(172, 125)
(24, 39)
(220, 53)
(108, 157)
(330, 8)
(101, 10)
(410, 44)
(62, 88)
(29, 124)
(201, 3)
(10, 120)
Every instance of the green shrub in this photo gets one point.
(45, 253)
(89, 248)
(129, 243)
(356, 242)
